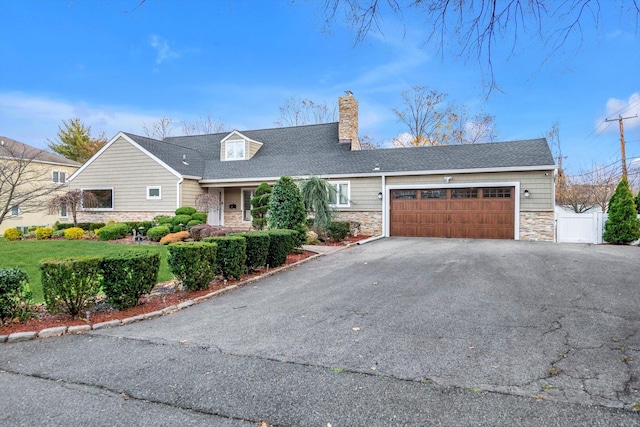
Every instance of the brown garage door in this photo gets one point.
(473, 213)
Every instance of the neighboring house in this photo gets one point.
(30, 178)
(498, 190)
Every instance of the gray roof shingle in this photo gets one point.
(315, 150)
(10, 148)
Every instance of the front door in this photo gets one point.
(216, 211)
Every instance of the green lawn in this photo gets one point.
(28, 254)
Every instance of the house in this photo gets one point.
(497, 190)
(29, 178)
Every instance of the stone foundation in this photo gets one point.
(539, 226)
(106, 216)
(371, 221)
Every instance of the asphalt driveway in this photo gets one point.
(393, 332)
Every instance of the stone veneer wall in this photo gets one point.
(371, 222)
(538, 226)
(233, 219)
(106, 216)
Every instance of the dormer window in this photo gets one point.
(234, 150)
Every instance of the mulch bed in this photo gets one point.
(164, 295)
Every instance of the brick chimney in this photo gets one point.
(348, 120)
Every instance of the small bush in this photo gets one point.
(44, 233)
(74, 233)
(174, 237)
(15, 295)
(181, 219)
(185, 210)
(58, 233)
(257, 248)
(162, 219)
(200, 216)
(62, 226)
(199, 232)
(194, 222)
(155, 234)
(96, 226)
(128, 276)
(12, 234)
(231, 255)
(338, 230)
(193, 263)
(114, 231)
(281, 243)
(70, 285)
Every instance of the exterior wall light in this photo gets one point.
(526, 193)
(447, 179)
(380, 195)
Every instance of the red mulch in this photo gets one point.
(148, 303)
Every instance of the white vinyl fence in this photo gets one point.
(580, 228)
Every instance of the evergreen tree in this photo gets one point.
(623, 226)
(260, 206)
(638, 202)
(286, 208)
(75, 141)
(316, 193)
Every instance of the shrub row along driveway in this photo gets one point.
(399, 331)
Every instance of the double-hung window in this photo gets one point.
(340, 198)
(234, 150)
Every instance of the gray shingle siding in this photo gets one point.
(315, 150)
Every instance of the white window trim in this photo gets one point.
(338, 204)
(154, 187)
(16, 215)
(235, 141)
(113, 199)
(58, 181)
(66, 211)
(242, 207)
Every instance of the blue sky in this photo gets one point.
(116, 66)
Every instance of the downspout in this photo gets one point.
(384, 205)
(178, 197)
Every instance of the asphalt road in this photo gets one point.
(394, 332)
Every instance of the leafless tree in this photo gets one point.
(367, 142)
(23, 179)
(160, 129)
(472, 129)
(298, 112)
(477, 27)
(207, 201)
(203, 126)
(72, 201)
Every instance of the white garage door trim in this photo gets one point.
(388, 188)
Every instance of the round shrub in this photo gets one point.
(12, 234)
(162, 219)
(185, 210)
(156, 233)
(114, 231)
(15, 295)
(44, 233)
(70, 285)
(96, 226)
(74, 233)
(181, 219)
(194, 222)
(338, 230)
(200, 216)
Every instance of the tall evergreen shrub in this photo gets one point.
(260, 206)
(623, 226)
(286, 209)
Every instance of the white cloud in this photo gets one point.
(625, 108)
(163, 50)
(35, 119)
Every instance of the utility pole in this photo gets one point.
(620, 120)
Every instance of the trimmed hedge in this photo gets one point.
(257, 248)
(15, 295)
(128, 276)
(281, 243)
(194, 222)
(193, 263)
(74, 233)
(155, 234)
(185, 210)
(338, 230)
(114, 231)
(200, 216)
(70, 285)
(232, 255)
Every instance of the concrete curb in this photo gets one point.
(79, 329)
